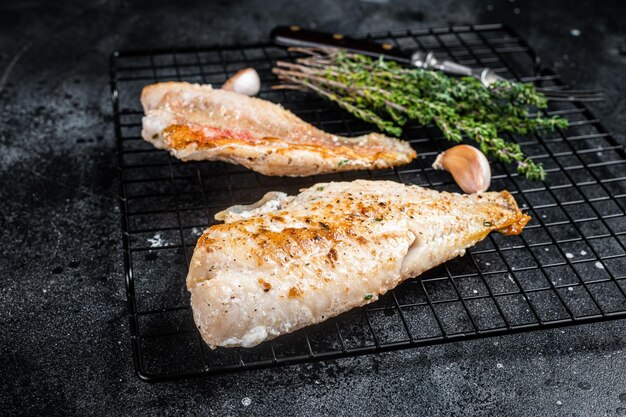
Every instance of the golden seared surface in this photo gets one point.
(196, 122)
(288, 262)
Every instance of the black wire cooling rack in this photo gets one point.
(569, 265)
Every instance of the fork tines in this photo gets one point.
(555, 94)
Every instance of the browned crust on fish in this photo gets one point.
(196, 122)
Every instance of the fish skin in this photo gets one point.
(197, 122)
(333, 247)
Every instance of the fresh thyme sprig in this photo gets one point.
(388, 95)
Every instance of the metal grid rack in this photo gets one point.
(569, 265)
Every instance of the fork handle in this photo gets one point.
(301, 37)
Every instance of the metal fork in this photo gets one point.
(295, 36)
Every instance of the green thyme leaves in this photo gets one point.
(388, 95)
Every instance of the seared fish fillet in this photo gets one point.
(288, 262)
(197, 122)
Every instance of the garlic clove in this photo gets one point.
(245, 81)
(469, 168)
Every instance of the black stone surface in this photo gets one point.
(64, 331)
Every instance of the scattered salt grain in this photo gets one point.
(500, 366)
(570, 289)
(599, 265)
(547, 249)
(196, 231)
(475, 291)
(583, 253)
(559, 402)
(156, 241)
(246, 401)
(569, 255)
(574, 32)
(487, 263)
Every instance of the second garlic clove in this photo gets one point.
(245, 81)
(469, 168)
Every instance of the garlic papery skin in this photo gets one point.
(245, 81)
(469, 168)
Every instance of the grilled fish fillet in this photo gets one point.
(197, 122)
(288, 262)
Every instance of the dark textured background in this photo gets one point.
(64, 336)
